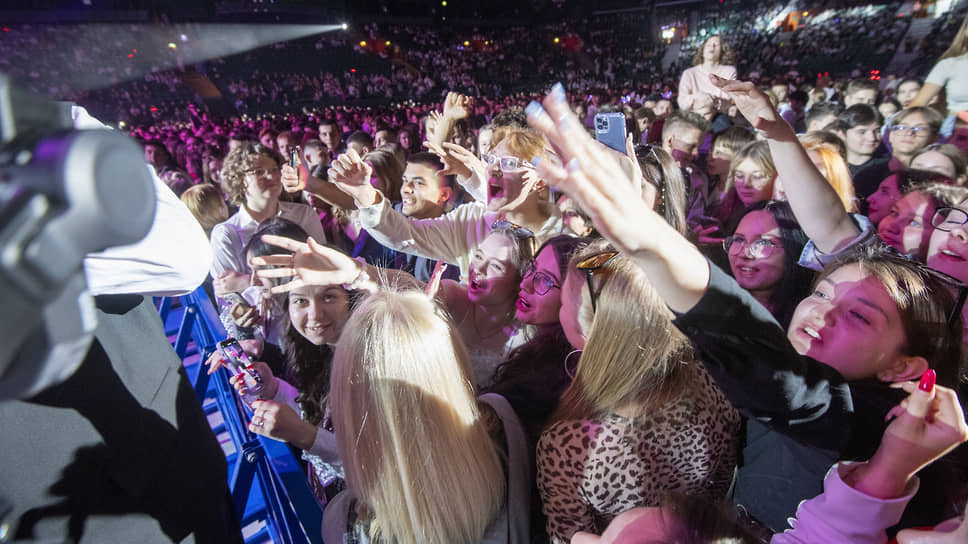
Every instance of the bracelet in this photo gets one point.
(361, 279)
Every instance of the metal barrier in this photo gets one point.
(270, 490)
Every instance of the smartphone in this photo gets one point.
(238, 362)
(610, 130)
(294, 157)
(234, 298)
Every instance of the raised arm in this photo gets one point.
(591, 176)
(815, 203)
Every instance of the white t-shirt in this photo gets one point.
(952, 74)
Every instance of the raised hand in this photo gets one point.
(295, 179)
(309, 264)
(753, 104)
(352, 176)
(591, 175)
(230, 281)
(457, 106)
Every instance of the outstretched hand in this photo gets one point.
(352, 176)
(591, 175)
(310, 263)
(457, 106)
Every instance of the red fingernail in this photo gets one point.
(928, 380)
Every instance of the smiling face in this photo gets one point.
(421, 193)
(851, 323)
(539, 297)
(761, 275)
(863, 139)
(907, 226)
(948, 249)
(492, 277)
(880, 202)
(503, 187)
(752, 183)
(319, 312)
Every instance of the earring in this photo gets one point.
(570, 368)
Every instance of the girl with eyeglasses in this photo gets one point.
(815, 393)
(763, 253)
(641, 418)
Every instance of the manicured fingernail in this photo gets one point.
(535, 160)
(558, 92)
(535, 109)
(573, 165)
(928, 380)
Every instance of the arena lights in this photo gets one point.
(363, 43)
(345, 26)
(388, 42)
(557, 40)
(443, 3)
(466, 43)
(171, 45)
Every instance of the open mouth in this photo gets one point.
(495, 190)
(949, 255)
(812, 333)
(522, 305)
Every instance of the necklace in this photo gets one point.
(477, 328)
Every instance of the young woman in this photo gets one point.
(814, 394)
(943, 159)
(907, 226)
(763, 253)
(423, 459)
(641, 418)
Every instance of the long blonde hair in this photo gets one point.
(959, 45)
(634, 357)
(414, 447)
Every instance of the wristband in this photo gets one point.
(361, 279)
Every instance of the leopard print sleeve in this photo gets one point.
(561, 467)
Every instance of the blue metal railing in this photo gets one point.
(270, 490)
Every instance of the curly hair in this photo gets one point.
(238, 161)
(726, 56)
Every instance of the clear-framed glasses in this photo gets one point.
(592, 266)
(749, 177)
(263, 172)
(760, 248)
(507, 163)
(949, 218)
(521, 233)
(913, 129)
(541, 281)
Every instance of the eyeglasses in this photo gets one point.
(507, 163)
(541, 281)
(744, 177)
(521, 233)
(758, 249)
(592, 266)
(949, 218)
(263, 172)
(950, 282)
(913, 129)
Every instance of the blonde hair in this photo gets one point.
(207, 205)
(634, 356)
(414, 447)
(959, 45)
(835, 169)
(759, 153)
(524, 143)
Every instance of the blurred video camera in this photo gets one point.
(64, 193)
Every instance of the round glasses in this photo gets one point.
(758, 249)
(507, 163)
(541, 282)
(949, 218)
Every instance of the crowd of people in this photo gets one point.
(485, 319)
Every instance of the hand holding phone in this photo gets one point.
(239, 364)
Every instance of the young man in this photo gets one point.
(821, 115)
(860, 127)
(425, 194)
(860, 91)
(682, 134)
(384, 136)
(360, 142)
(332, 135)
